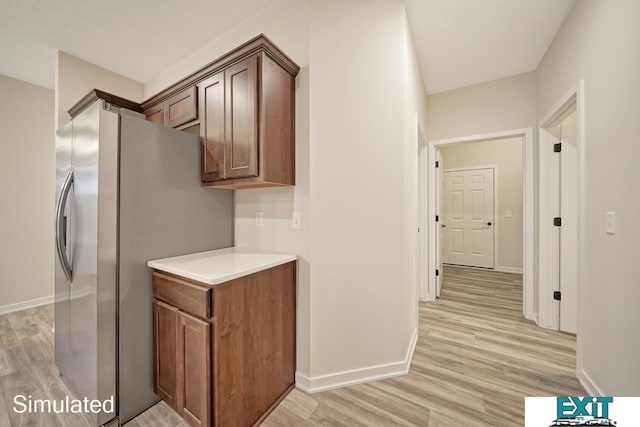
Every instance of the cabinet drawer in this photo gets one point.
(181, 108)
(187, 296)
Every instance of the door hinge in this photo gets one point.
(437, 164)
(437, 272)
(557, 147)
(557, 221)
(557, 295)
(437, 218)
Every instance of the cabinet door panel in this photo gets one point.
(165, 318)
(155, 114)
(241, 86)
(181, 108)
(212, 124)
(194, 370)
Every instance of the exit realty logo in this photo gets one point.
(581, 411)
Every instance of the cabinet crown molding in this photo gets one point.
(260, 43)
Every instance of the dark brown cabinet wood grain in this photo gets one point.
(155, 114)
(194, 370)
(176, 111)
(181, 108)
(244, 104)
(241, 142)
(258, 126)
(211, 109)
(232, 364)
(165, 321)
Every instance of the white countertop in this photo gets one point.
(221, 265)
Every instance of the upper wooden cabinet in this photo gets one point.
(244, 103)
(176, 111)
(241, 108)
(211, 94)
(155, 114)
(181, 108)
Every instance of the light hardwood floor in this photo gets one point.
(475, 360)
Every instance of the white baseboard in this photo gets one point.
(10, 308)
(358, 376)
(514, 270)
(591, 388)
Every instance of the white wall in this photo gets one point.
(599, 43)
(27, 193)
(75, 78)
(363, 301)
(506, 154)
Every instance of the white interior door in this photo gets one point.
(439, 246)
(468, 217)
(569, 228)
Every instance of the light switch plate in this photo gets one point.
(259, 219)
(509, 214)
(611, 223)
(296, 220)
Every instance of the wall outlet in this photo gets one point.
(509, 214)
(611, 223)
(259, 219)
(296, 220)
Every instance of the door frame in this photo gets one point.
(549, 317)
(422, 245)
(495, 207)
(528, 208)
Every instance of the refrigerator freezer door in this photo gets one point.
(92, 305)
(63, 168)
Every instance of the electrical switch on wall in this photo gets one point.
(611, 223)
(295, 221)
(259, 218)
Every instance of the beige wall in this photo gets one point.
(27, 193)
(363, 301)
(504, 104)
(285, 22)
(75, 78)
(506, 154)
(599, 43)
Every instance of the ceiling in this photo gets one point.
(464, 42)
(458, 42)
(137, 39)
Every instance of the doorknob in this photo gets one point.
(489, 223)
(444, 225)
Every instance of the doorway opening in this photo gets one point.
(561, 201)
(469, 237)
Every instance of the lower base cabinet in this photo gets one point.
(224, 355)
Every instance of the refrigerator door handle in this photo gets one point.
(61, 225)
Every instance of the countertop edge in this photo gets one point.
(226, 278)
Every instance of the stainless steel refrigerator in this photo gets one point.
(127, 191)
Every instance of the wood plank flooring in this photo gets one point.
(475, 360)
